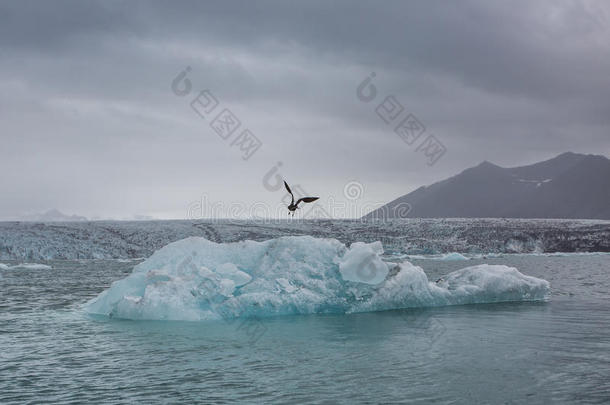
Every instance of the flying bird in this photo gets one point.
(292, 207)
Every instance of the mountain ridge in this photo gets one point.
(570, 185)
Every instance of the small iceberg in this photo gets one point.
(29, 266)
(444, 257)
(195, 279)
(453, 256)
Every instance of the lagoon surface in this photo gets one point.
(534, 352)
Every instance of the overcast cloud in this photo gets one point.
(89, 123)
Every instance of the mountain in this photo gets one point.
(52, 215)
(570, 185)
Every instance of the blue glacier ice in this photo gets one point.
(196, 279)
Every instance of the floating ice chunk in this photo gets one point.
(493, 283)
(477, 284)
(485, 255)
(445, 257)
(31, 266)
(362, 263)
(195, 279)
(453, 256)
(567, 254)
(419, 257)
(3, 266)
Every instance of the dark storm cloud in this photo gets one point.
(535, 49)
(90, 121)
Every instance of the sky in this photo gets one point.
(97, 120)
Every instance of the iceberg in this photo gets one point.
(195, 279)
(453, 256)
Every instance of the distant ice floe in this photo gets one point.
(27, 266)
(454, 256)
(569, 254)
(195, 279)
(478, 256)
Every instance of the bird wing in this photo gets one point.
(307, 199)
(290, 191)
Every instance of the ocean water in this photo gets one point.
(52, 351)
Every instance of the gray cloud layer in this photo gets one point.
(91, 126)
